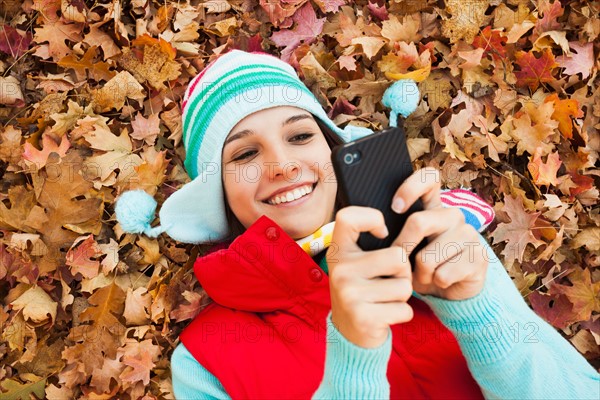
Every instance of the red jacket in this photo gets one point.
(264, 335)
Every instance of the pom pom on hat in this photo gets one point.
(402, 98)
(135, 212)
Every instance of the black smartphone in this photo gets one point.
(369, 170)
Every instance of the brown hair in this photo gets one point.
(235, 226)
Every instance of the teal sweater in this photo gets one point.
(511, 352)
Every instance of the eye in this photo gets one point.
(244, 155)
(303, 137)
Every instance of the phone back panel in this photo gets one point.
(374, 179)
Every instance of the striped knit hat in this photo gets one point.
(230, 88)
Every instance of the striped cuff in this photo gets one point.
(477, 212)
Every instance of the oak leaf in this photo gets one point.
(101, 377)
(38, 158)
(97, 70)
(516, 233)
(581, 61)
(80, 258)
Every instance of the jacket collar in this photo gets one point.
(263, 270)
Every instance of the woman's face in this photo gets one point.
(276, 162)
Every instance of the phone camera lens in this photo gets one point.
(348, 158)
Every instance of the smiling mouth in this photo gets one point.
(292, 195)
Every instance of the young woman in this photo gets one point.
(300, 311)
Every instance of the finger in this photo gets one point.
(424, 183)
(451, 272)
(351, 221)
(428, 223)
(443, 249)
(388, 262)
(392, 313)
(388, 290)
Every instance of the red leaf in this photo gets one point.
(492, 42)
(534, 70)
(554, 309)
(307, 28)
(12, 42)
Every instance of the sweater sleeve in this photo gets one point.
(510, 350)
(354, 372)
(191, 380)
(350, 372)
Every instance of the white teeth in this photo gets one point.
(291, 195)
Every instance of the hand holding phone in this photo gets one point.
(369, 171)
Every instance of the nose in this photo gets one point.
(279, 161)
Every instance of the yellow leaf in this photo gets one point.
(418, 76)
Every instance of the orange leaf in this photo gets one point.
(534, 70)
(39, 158)
(564, 110)
(544, 174)
(583, 294)
(80, 259)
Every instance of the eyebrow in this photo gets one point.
(249, 132)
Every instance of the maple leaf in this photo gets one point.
(39, 158)
(581, 61)
(584, 294)
(136, 304)
(11, 389)
(534, 71)
(114, 93)
(118, 154)
(544, 173)
(138, 368)
(465, 20)
(380, 12)
(564, 110)
(157, 65)
(307, 28)
(37, 306)
(329, 5)
(62, 208)
(10, 146)
(55, 33)
(80, 259)
(101, 376)
(188, 311)
(554, 309)
(149, 175)
(533, 128)
(517, 233)
(347, 62)
(97, 37)
(492, 42)
(146, 129)
(13, 42)
(404, 30)
(11, 94)
(279, 11)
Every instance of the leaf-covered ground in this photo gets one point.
(91, 94)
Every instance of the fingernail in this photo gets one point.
(398, 205)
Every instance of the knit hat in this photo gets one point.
(230, 88)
